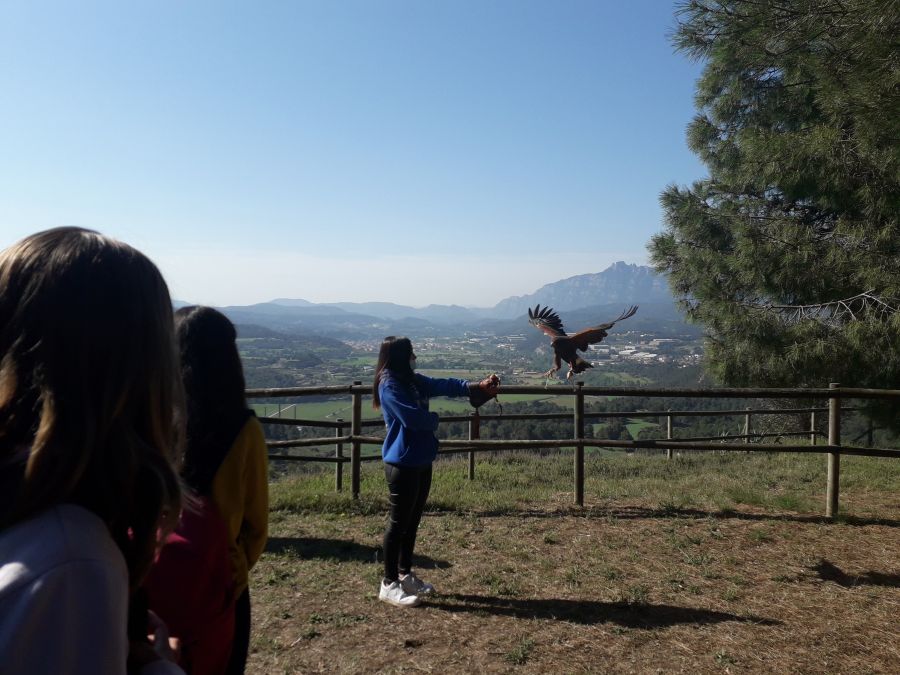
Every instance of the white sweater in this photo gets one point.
(64, 597)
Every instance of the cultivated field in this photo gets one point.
(340, 406)
(708, 563)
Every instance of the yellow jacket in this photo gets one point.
(240, 491)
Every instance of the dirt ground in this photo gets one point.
(608, 588)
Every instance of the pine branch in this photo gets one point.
(837, 313)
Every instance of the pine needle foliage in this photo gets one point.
(789, 252)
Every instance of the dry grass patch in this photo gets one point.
(621, 585)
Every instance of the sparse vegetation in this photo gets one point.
(661, 570)
(519, 654)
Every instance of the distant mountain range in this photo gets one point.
(620, 282)
(606, 292)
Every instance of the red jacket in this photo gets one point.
(191, 588)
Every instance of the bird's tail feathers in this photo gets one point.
(580, 365)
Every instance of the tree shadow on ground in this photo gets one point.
(828, 571)
(637, 513)
(647, 513)
(589, 612)
(339, 550)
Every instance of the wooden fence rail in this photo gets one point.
(651, 392)
(377, 422)
(833, 450)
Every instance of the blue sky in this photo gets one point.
(418, 151)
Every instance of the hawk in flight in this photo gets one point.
(566, 347)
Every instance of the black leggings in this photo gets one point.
(241, 645)
(408, 488)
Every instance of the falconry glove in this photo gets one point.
(482, 392)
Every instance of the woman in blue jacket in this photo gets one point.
(410, 447)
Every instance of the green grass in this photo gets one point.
(315, 410)
(450, 406)
(505, 484)
(635, 427)
(626, 379)
(562, 401)
(521, 652)
(461, 373)
(333, 409)
(341, 406)
(360, 360)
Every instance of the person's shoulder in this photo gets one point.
(252, 425)
(250, 428)
(392, 388)
(390, 381)
(87, 536)
(250, 436)
(65, 530)
(426, 384)
(61, 535)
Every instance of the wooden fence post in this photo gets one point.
(339, 452)
(747, 420)
(474, 435)
(834, 458)
(812, 428)
(355, 431)
(579, 447)
(669, 433)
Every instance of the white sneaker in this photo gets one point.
(394, 594)
(414, 585)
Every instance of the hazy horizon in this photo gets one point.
(284, 299)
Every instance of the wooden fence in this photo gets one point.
(833, 448)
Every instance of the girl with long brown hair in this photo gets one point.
(226, 468)
(410, 447)
(88, 393)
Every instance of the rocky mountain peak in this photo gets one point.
(620, 282)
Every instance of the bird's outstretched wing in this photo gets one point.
(546, 320)
(595, 334)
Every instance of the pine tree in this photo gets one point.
(789, 252)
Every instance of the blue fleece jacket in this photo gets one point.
(410, 439)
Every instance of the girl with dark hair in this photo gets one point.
(226, 466)
(410, 447)
(88, 389)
